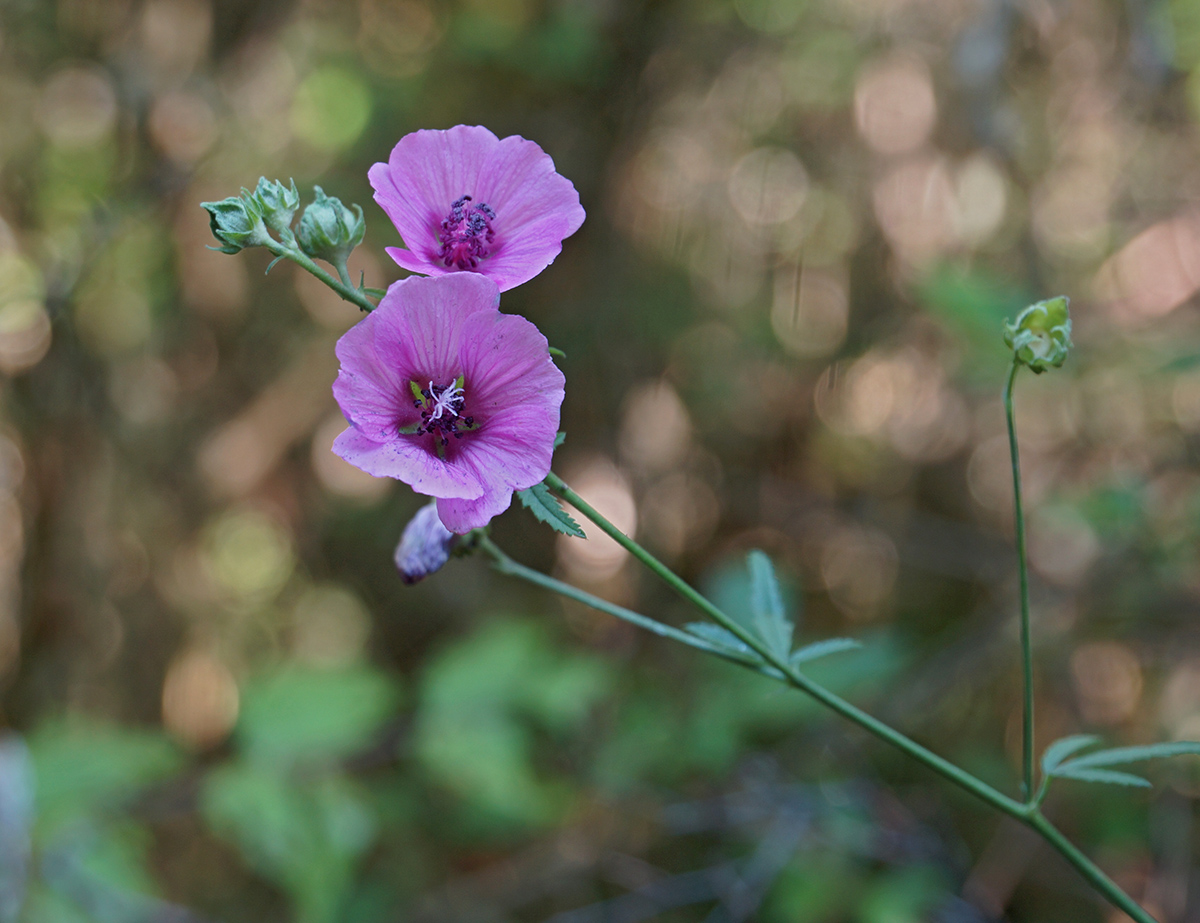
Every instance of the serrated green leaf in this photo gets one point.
(1064, 747)
(1105, 776)
(720, 637)
(822, 649)
(766, 604)
(546, 508)
(1120, 755)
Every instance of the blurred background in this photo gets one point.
(806, 221)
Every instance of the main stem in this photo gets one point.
(1023, 572)
(1027, 813)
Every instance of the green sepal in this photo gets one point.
(557, 353)
(546, 508)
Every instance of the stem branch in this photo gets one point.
(345, 288)
(793, 676)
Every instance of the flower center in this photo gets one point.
(441, 409)
(466, 234)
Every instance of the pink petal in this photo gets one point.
(426, 172)
(461, 516)
(409, 462)
(507, 359)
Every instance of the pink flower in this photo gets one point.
(447, 394)
(462, 199)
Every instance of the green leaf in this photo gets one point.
(721, 638)
(560, 439)
(1064, 747)
(1120, 755)
(1106, 776)
(546, 508)
(558, 353)
(299, 715)
(822, 649)
(766, 605)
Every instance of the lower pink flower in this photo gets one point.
(447, 394)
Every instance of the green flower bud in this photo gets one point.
(1040, 337)
(237, 222)
(329, 230)
(278, 202)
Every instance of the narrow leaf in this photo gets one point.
(766, 603)
(821, 649)
(1120, 755)
(1107, 776)
(720, 637)
(558, 353)
(1064, 747)
(546, 508)
(560, 439)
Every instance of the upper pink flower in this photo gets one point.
(463, 199)
(447, 394)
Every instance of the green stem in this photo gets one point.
(1028, 814)
(1087, 868)
(793, 676)
(345, 288)
(1023, 571)
(506, 565)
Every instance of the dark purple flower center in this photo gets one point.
(466, 234)
(441, 409)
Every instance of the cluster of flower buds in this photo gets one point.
(1040, 337)
(328, 230)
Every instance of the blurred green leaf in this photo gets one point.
(296, 714)
(823, 649)
(93, 767)
(722, 638)
(307, 837)
(1064, 747)
(766, 602)
(1120, 755)
(478, 700)
(1107, 776)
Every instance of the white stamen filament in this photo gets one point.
(444, 402)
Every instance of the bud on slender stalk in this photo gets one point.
(425, 546)
(237, 222)
(1040, 337)
(278, 203)
(329, 230)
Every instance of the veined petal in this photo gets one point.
(461, 516)
(407, 461)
